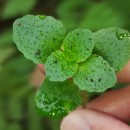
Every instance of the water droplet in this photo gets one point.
(52, 114)
(122, 36)
(42, 17)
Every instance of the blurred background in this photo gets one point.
(19, 77)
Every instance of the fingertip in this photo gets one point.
(115, 103)
(86, 119)
(74, 121)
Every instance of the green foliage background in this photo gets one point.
(17, 110)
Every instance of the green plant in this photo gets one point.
(75, 62)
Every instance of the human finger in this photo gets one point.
(115, 103)
(85, 119)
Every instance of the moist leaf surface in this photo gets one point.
(95, 75)
(37, 36)
(56, 99)
(58, 68)
(80, 43)
(113, 44)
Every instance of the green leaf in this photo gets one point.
(37, 36)
(113, 44)
(56, 99)
(58, 68)
(80, 43)
(95, 75)
(13, 8)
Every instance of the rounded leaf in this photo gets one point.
(37, 36)
(95, 75)
(59, 68)
(80, 43)
(57, 99)
(113, 44)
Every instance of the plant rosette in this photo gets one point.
(90, 59)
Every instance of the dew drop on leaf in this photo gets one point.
(113, 44)
(57, 99)
(122, 36)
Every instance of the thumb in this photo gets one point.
(85, 119)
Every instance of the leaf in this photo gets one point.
(58, 68)
(56, 99)
(17, 7)
(80, 43)
(37, 36)
(95, 75)
(113, 44)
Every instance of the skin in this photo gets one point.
(110, 111)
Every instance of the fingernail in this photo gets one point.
(74, 122)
